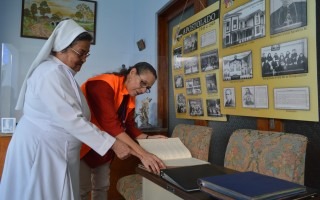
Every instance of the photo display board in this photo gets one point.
(268, 59)
(195, 66)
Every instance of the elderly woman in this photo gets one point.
(42, 160)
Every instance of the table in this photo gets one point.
(156, 188)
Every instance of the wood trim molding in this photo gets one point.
(175, 8)
(265, 124)
(172, 10)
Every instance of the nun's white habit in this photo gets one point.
(42, 161)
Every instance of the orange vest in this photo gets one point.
(117, 84)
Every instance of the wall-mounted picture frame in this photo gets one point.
(193, 86)
(213, 107)
(191, 65)
(245, 23)
(190, 43)
(39, 18)
(179, 82)
(195, 107)
(285, 58)
(211, 83)
(181, 104)
(287, 15)
(237, 66)
(8, 125)
(209, 60)
(177, 58)
(229, 97)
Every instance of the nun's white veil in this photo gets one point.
(61, 37)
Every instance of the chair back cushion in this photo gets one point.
(196, 138)
(130, 187)
(276, 154)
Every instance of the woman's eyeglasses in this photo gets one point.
(144, 84)
(80, 55)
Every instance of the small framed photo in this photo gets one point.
(8, 125)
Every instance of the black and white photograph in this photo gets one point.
(255, 96)
(191, 65)
(8, 125)
(181, 103)
(209, 60)
(287, 15)
(193, 86)
(178, 81)
(237, 66)
(177, 58)
(229, 97)
(245, 23)
(208, 38)
(195, 107)
(285, 58)
(248, 96)
(190, 43)
(211, 83)
(213, 107)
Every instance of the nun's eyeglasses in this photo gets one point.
(80, 55)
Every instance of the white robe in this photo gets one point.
(42, 161)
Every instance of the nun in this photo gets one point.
(42, 161)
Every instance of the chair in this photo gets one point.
(276, 154)
(195, 138)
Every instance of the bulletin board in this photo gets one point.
(268, 59)
(195, 66)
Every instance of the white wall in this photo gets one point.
(120, 24)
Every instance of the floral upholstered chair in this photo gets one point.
(195, 138)
(276, 154)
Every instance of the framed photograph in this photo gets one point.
(178, 81)
(211, 83)
(285, 58)
(195, 107)
(248, 97)
(39, 18)
(237, 66)
(213, 107)
(181, 103)
(249, 17)
(191, 65)
(209, 60)
(287, 15)
(8, 125)
(255, 96)
(229, 97)
(193, 86)
(177, 58)
(190, 43)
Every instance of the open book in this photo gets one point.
(171, 151)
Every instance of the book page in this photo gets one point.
(166, 149)
(184, 162)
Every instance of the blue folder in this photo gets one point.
(186, 177)
(250, 186)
